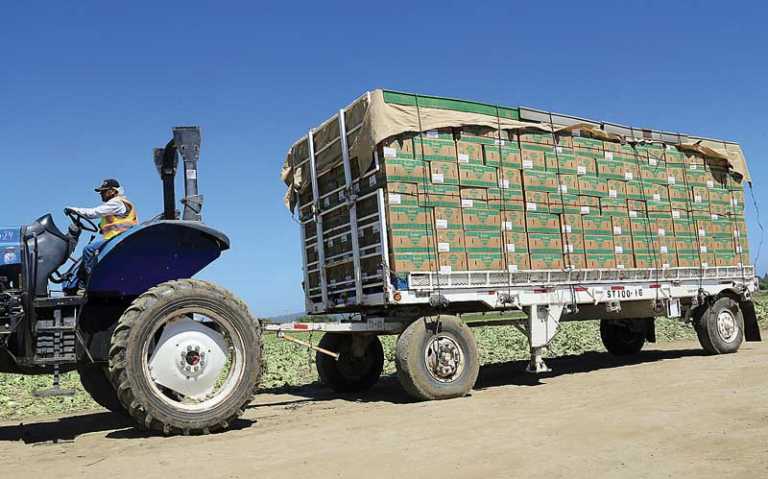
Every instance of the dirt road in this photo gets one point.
(669, 412)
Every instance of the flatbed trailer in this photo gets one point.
(436, 354)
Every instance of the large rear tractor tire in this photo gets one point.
(360, 363)
(95, 381)
(719, 326)
(186, 358)
(623, 337)
(437, 359)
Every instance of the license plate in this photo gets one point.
(625, 293)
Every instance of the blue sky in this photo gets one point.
(87, 89)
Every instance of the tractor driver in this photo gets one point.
(117, 214)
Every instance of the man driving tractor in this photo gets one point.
(117, 214)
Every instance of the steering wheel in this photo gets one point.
(81, 221)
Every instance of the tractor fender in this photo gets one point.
(153, 253)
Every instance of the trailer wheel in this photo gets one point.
(360, 363)
(437, 359)
(620, 338)
(720, 326)
(95, 381)
(186, 358)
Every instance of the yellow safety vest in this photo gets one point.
(112, 225)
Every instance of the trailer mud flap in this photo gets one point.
(751, 328)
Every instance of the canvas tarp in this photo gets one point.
(380, 120)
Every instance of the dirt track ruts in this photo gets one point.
(669, 412)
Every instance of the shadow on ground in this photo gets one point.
(510, 373)
(67, 429)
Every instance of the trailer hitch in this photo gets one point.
(288, 337)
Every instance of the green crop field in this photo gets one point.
(289, 364)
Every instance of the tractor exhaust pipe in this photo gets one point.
(186, 141)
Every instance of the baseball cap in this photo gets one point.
(109, 183)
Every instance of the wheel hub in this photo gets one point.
(444, 358)
(188, 358)
(727, 327)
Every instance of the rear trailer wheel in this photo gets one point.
(95, 381)
(186, 357)
(720, 326)
(437, 359)
(360, 363)
(620, 338)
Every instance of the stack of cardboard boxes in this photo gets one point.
(479, 199)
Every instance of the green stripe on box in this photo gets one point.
(545, 251)
(480, 250)
(424, 101)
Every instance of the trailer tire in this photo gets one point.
(349, 374)
(719, 326)
(620, 339)
(437, 359)
(95, 381)
(156, 407)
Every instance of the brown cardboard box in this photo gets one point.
(513, 222)
(586, 162)
(621, 225)
(562, 203)
(401, 263)
(506, 199)
(597, 225)
(623, 253)
(435, 145)
(536, 136)
(408, 217)
(637, 209)
(542, 223)
(469, 153)
(499, 155)
(478, 214)
(585, 142)
(589, 205)
(599, 251)
(533, 156)
(404, 170)
(593, 186)
(617, 190)
(400, 146)
(517, 261)
(452, 261)
(546, 250)
(536, 201)
(478, 176)
(667, 252)
(483, 241)
(646, 251)
(707, 247)
(571, 223)
(485, 261)
(534, 180)
(662, 227)
(568, 184)
(412, 240)
(510, 178)
(635, 190)
(446, 196)
(444, 172)
(573, 251)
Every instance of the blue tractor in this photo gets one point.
(178, 355)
